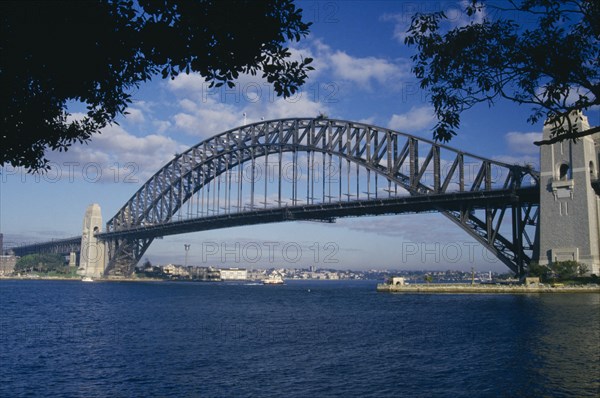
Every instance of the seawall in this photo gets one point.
(489, 289)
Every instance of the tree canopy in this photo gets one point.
(42, 263)
(561, 270)
(95, 52)
(542, 53)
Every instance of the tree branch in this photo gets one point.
(568, 136)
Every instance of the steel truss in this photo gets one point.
(59, 246)
(209, 179)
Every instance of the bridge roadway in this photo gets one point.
(327, 212)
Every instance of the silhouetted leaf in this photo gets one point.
(120, 44)
(544, 63)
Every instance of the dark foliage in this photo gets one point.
(96, 52)
(551, 62)
(42, 263)
(560, 270)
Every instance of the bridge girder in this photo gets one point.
(387, 154)
(59, 246)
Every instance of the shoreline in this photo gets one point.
(441, 288)
(483, 289)
(59, 278)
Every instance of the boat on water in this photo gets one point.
(273, 280)
(87, 279)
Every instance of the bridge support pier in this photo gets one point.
(569, 206)
(517, 233)
(72, 259)
(92, 257)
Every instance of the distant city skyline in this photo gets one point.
(362, 74)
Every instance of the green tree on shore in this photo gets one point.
(537, 270)
(566, 270)
(560, 270)
(43, 263)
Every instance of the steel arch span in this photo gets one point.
(319, 168)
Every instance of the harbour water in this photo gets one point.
(320, 339)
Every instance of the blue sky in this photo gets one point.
(362, 74)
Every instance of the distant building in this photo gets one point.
(256, 275)
(7, 265)
(397, 280)
(204, 273)
(233, 274)
(175, 270)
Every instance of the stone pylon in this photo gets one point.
(72, 259)
(93, 255)
(569, 206)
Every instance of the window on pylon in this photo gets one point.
(563, 172)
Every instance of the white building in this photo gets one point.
(233, 274)
(175, 270)
(397, 280)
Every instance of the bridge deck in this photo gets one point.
(329, 212)
(54, 246)
(319, 212)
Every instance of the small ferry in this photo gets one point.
(273, 280)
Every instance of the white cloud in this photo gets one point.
(207, 118)
(573, 95)
(368, 120)
(76, 116)
(116, 153)
(161, 125)
(402, 23)
(456, 16)
(416, 119)
(522, 143)
(363, 71)
(188, 105)
(184, 82)
(522, 160)
(134, 116)
(311, 51)
(204, 113)
(300, 106)
(339, 66)
(522, 149)
(185, 121)
(146, 106)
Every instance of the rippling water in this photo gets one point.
(72, 339)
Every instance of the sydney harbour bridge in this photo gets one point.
(321, 169)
